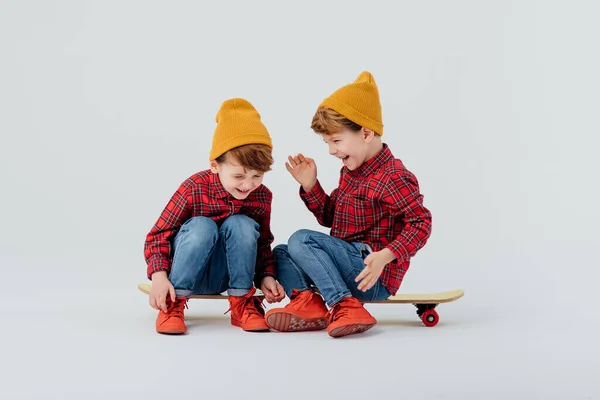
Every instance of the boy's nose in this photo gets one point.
(332, 150)
(246, 185)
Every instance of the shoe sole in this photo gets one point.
(257, 329)
(286, 322)
(171, 332)
(350, 329)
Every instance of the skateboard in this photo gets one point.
(425, 303)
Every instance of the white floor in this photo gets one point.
(77, 343)
(105, 107)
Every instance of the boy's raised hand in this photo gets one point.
(304, 171)
(161, 288)
(272, 290)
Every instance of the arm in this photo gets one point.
(304, 170)
(405, 203)
(157, 247)
(320, 204)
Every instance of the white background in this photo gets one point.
(106, 107)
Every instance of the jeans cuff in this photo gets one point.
(237, 292)
(182, 293)
(338, 298)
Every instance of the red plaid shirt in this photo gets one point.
(378, 204)
(202, 194)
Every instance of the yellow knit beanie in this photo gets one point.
(359, 102)
(238, 123)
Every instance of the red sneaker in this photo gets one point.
(247, 312)
(349, 317)
(305, 312)
(172, 321)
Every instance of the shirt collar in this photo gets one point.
(374, 163)
(216, 187)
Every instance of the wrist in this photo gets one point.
(308, 187)
(159, 275)
(389, 255)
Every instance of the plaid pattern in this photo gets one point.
(379, 204)
(202, 194)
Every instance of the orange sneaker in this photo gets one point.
(172, 321)
(306, 311)
(247, 312)
(348, 317)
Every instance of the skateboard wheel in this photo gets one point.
(430, 318)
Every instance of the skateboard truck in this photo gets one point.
(428, 314)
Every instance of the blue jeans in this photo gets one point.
(313, 258)
(209, 260)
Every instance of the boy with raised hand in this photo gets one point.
(376, 215)
(214, 234)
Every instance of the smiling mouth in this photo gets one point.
(344, 159)
(242, 191)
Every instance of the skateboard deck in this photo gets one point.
(425, 303)
(145, 288)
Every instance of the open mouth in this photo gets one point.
(242, 191)
(344, 159)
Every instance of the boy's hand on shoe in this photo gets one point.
(161, 287)
(272, 290)
(304, 171)
(374, 264)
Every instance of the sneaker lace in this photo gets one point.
(251, 305)
(298, 299)
(337, 312)
(176, 308)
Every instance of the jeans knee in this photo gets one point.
(281, 251)
(200, 229)
(240, 227)
(298, 242)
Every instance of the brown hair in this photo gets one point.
(327, 121)
(256, 157)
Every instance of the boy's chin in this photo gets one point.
(352, 166)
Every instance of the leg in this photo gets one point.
(331, 263)
(216, 279)
(323, 258)
(306, 310)
(288, 273)
(238, 237)
(194, 246)
(309, 257)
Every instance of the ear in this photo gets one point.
(214, 167)
(368, 134)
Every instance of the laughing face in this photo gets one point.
(237, 180)
(352, 148)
